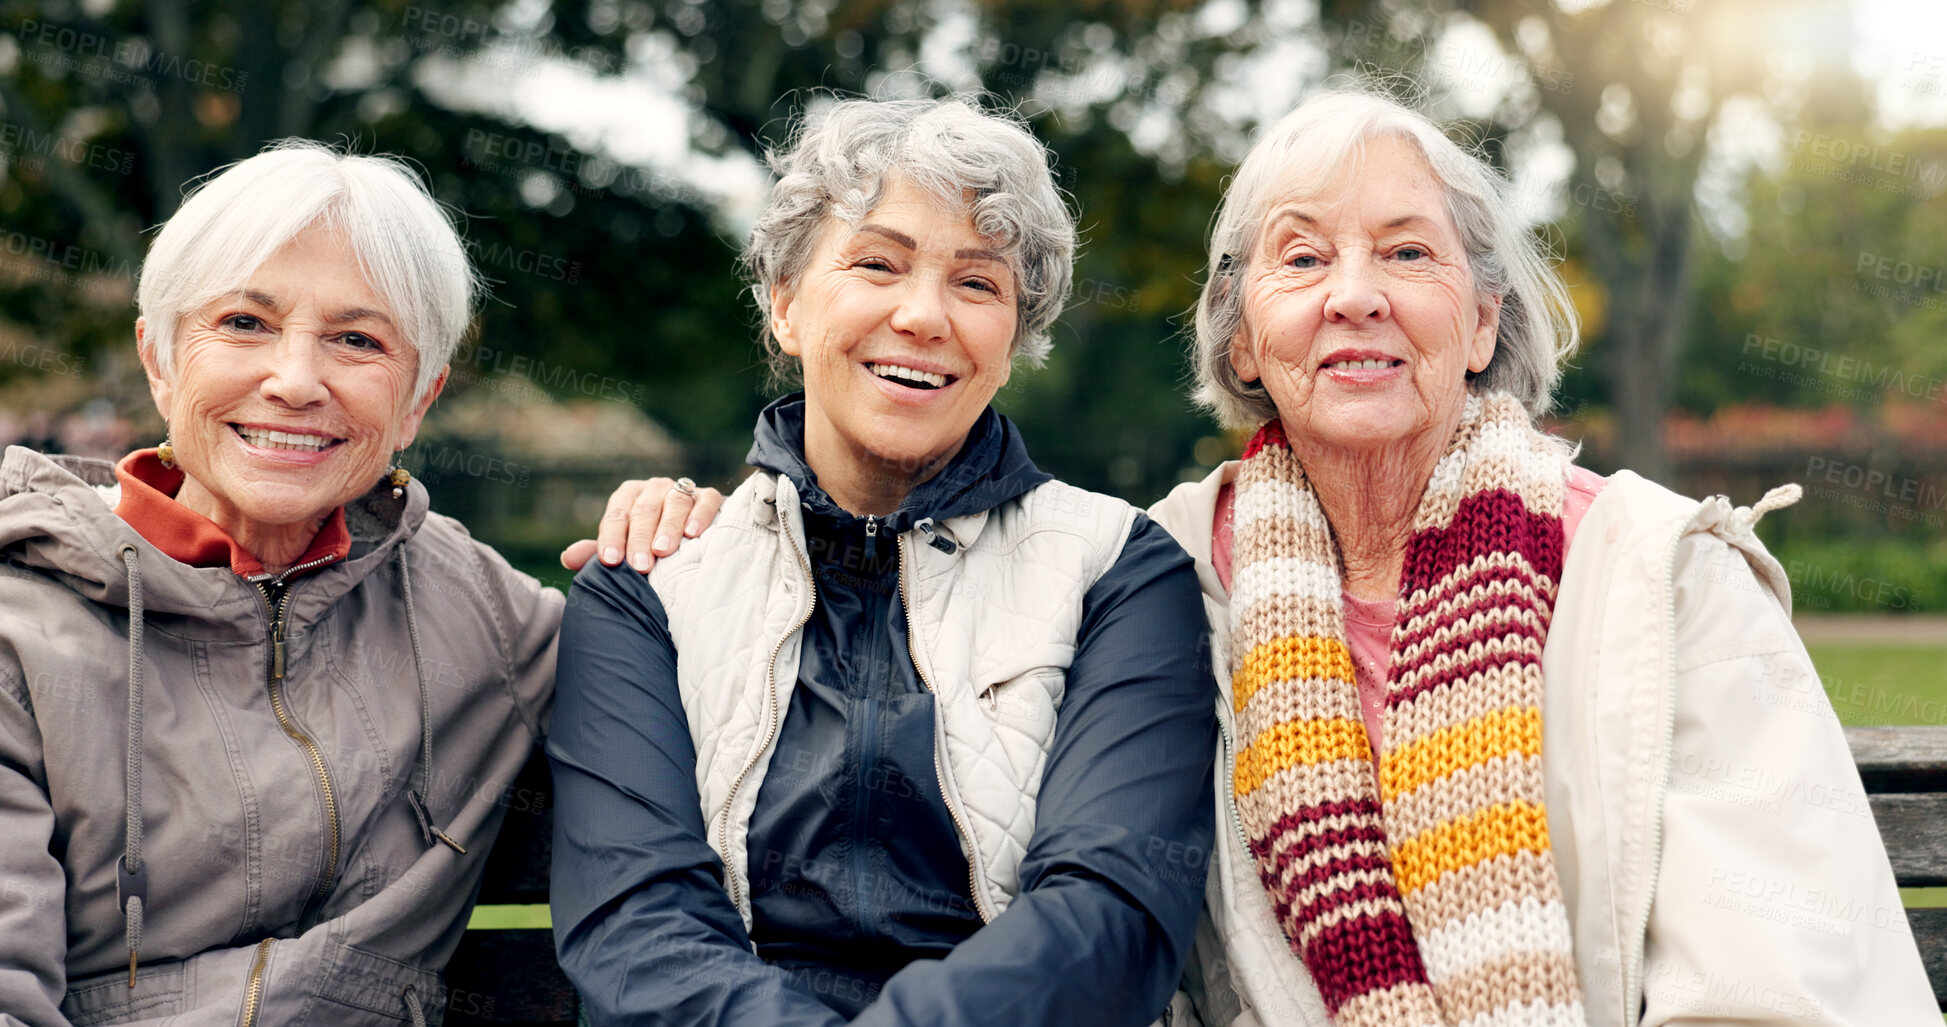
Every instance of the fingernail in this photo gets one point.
(611, 556)
(640, 561)
(662, 544)
(692, 529)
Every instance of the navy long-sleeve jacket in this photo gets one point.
(860, 895)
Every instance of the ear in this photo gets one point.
(409, 429)
(1243, 358)
(1480, 349)
(787, 339)
(160, 389)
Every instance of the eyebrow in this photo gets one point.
(912, 244)
(347, 316)
(891, 233)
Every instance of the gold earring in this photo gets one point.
(166, 453)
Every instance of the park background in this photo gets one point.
(1749, 198)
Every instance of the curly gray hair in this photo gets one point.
(839, 160)
(1313, 145)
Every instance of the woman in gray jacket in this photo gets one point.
(260, 709)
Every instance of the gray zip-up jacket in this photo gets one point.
(261, 783)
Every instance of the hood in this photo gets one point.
(57, 514)
(991, 468)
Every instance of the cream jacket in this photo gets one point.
(994, 610)
(1716, 852)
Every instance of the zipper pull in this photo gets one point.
(277, 650)
(871, 538)
(938, 537)
(426, 829)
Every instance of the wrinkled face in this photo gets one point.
(290, 396)
(1360, 315)
(904, 324)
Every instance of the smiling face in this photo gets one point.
(1360, 313)
(290, 396)
(904, 323)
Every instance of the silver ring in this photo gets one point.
(686, 486)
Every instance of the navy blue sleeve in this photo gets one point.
(641, 921)
(1112, 884)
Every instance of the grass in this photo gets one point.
(509, 918)
(1885, 684)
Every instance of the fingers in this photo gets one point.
(708, 502)
(577, 554)
(614, 531)
(656, 522)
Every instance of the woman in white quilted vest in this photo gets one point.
(913, 734)
(1504, 741)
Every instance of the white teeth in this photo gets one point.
(907, 373)
(268, 439)
(1360, 365)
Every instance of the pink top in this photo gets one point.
(1369, 622)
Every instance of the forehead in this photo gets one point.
(318, 265)
(1389, 184)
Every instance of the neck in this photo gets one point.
(862, 482)
(276, 546)
(1370, 497)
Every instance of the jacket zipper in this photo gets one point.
(723, 823)
(1633, 970)
(275, 683)
(939, 764)
(254, 993)
(1237, 821)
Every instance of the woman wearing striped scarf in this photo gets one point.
(1505, 742)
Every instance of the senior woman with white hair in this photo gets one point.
(220, 705)
(1498, 733)
(914, 733)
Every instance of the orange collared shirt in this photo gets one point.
(149, 506)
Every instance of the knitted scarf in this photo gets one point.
(1430, 896)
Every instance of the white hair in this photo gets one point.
(1315, 145)
(837, 165)
(238, 218)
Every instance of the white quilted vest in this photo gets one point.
(993, 626)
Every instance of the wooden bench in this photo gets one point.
(510, 976)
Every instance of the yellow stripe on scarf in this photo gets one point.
(1289, 657)
(1459, 746)
(1499, 830)
(1293, 743)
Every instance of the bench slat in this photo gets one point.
(1900, 759)
(1911, 826)
(508, 977)
(1930, 931)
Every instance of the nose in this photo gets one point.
(1357, 293)
(921, 313)
(294, 376)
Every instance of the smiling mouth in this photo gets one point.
(912, 378)
(265, 438)
(1363, 365)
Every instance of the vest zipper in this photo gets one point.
(1237, 821)
(253, 994)
(1633, 966)
(939, 762)
(277, 602)
(723, 822)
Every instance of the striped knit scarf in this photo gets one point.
(1429, 897)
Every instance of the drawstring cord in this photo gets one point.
(417, 797)
(411, 997)
(131, 878)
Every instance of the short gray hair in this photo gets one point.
(837, 164)
(1321, 139)
(237, 219)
